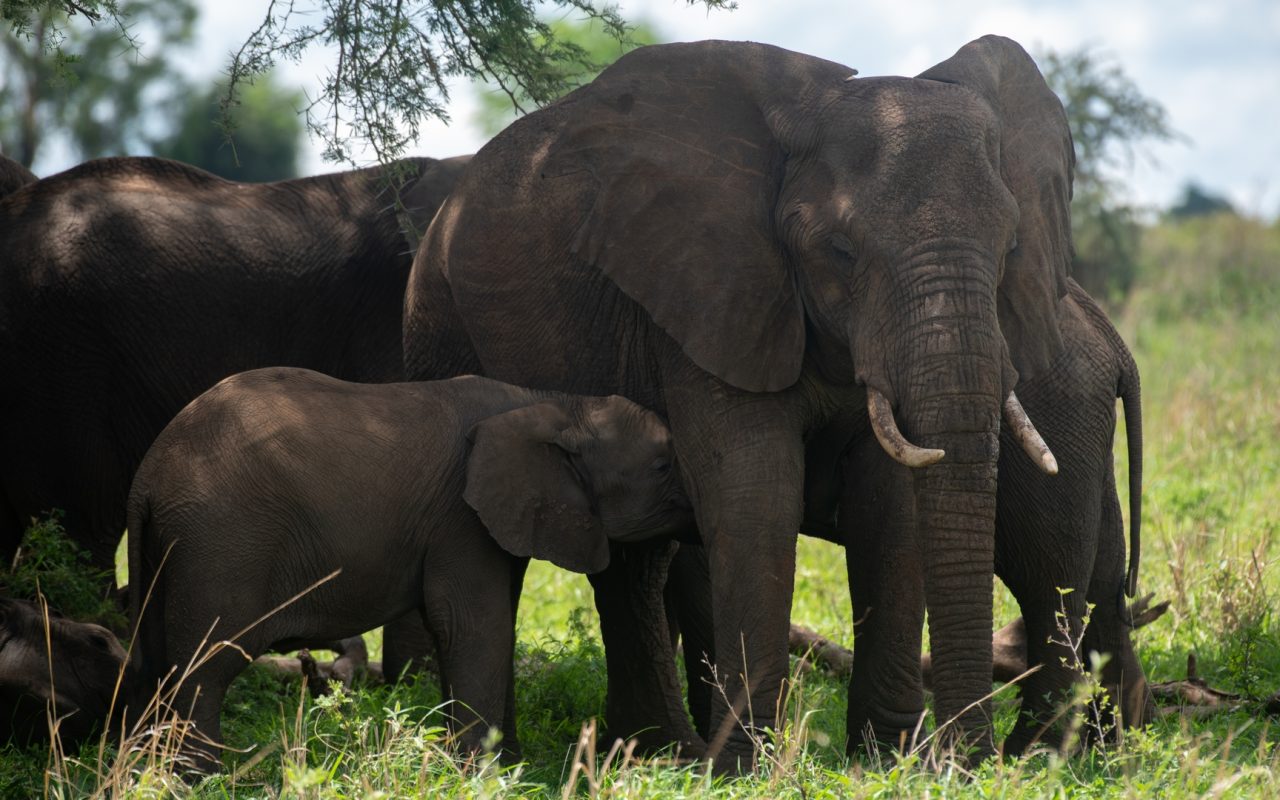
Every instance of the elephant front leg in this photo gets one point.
(886, 586)
(644, 700)
(473, 624)
(742, 459)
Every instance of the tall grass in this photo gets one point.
(1204, 324)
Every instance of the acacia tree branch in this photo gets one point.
(395, 57)
(88, 13)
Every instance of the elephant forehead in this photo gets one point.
(618, 420)
(23, 666)
(890, 106)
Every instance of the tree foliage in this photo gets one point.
(394, 59)
(24, 15)
(90, 82)
(268, 133)
(601, 47)
(1109, 116)
(1196, 201)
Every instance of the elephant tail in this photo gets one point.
(1129, 391)
(146, 602)
(137, 516)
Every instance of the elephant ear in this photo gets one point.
(686, 174)
(1037, 160)
(525, 490)
(423, 191)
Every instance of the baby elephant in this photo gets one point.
(427, 496)
(79, 686)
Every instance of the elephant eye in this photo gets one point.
(579, 472)
(841, 244)
(662, 465)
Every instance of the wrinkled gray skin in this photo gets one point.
(1063, 531)
(130, 285)
(13, 176)
(87, 662)
(429, 497)
(744, 240)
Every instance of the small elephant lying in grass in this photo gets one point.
(283, 507)
(81, 683)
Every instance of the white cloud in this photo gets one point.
(1215, 66)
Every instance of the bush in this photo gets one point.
(50, 563)
(1209, 267)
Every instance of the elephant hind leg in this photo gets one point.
(197, 696)
(1110, 630)
(1058, 645)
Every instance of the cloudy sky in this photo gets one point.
(1215, 66)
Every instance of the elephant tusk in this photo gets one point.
(891, 439)
(1028, 436)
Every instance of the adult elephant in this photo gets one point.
(131, 285)
(1052, 533)
(750, 241)
(13, 176)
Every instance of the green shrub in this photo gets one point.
(50, 563)
(1210, 267)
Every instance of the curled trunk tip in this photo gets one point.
(1027, 435)
(891, 439)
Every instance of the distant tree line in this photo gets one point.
(91, 89)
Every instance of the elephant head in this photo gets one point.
(559, 480)
(52, 663)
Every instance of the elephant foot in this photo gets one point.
(883, 731)
(1018, 742)
(735, 754)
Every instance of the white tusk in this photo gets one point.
(1028, 437)
(891, 439)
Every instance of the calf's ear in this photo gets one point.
(522, 484)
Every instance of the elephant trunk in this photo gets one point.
(950, 399)
(956, 503)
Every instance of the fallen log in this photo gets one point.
(1194, 691)
(1008, 645)
(351, 662)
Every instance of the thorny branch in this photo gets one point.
(395, 58)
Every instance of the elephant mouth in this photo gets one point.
(654, 528)
(885, 427)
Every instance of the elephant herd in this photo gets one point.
(745, 294)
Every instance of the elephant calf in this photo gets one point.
(426, 496)
(74, 666)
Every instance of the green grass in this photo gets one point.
(1204, 323)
